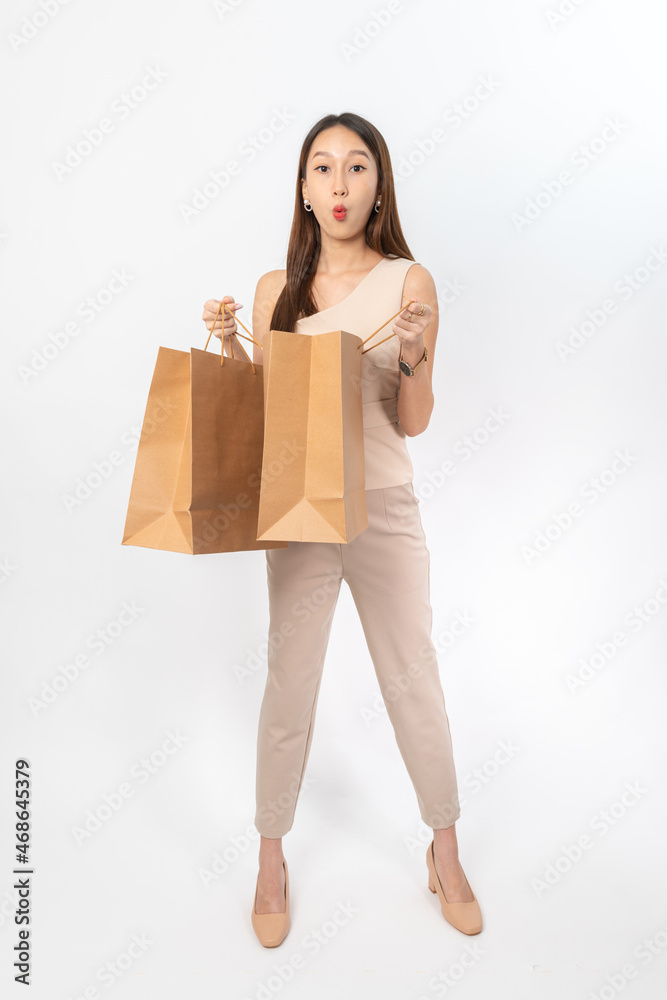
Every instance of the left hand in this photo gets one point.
(410, 329)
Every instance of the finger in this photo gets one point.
(406, 323)
(214, 312)
(233, 306)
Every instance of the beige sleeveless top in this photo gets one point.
(374, 300)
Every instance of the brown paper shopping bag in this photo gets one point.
(197, 472)
(313, 463)
(313, 467)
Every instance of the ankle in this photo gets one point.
(445, 837)
(271, 854)
(272, 863)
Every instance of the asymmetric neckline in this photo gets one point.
(350, 294)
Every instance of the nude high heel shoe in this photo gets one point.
(272, 928)
(466, 917)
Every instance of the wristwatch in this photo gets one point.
(406, 368)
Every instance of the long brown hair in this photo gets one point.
(383, 229)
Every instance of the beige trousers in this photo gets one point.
(387, 568)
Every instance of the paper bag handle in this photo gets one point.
(236, 334)
(377, 331)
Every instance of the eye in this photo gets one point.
(323, 166)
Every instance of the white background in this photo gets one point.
(542, 596)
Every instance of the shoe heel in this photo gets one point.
(430, 885)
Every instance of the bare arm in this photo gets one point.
(268, 289)
(415, 397)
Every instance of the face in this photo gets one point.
(340, 170)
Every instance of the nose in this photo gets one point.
(340, 186)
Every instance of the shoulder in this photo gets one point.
(419, 282)
(270, 285)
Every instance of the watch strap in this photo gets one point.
(422, 360)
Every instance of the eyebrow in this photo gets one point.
(353, 152)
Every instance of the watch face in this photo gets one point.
(405, 367)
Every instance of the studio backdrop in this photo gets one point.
(149, 165)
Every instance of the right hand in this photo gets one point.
(228, 325)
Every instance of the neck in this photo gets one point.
(340, 256)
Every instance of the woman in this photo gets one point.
(349, 267)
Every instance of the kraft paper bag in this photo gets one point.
(313, 465)
(197, 473)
